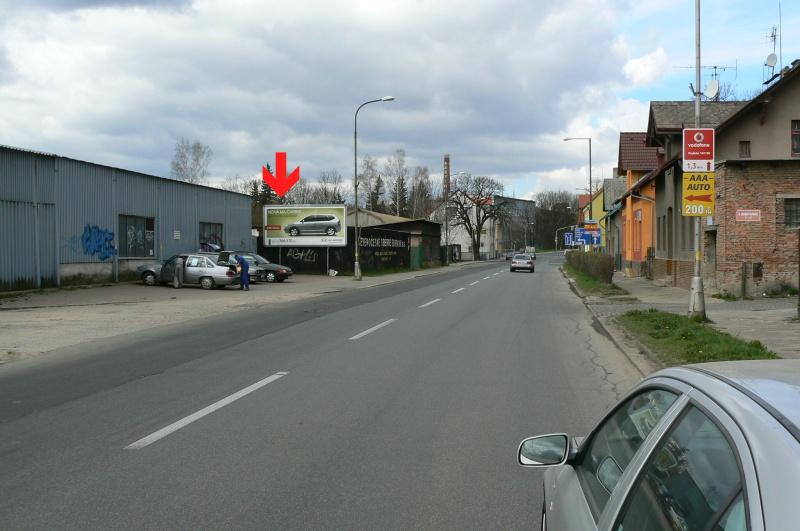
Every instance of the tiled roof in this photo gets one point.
(613, 190)
(583, 200)
(676, 115)
(634, 154)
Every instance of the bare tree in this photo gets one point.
(239, 184)
(366, 179)
(420, 197)
(190, 162)
(396, 175)
(473, 202)
(554, 209)
(328, 189)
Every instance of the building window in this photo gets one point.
(211, 237)
(744, 149)
(136, 236)
(796, 138)
(791, 212)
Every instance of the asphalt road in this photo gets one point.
(395, 407)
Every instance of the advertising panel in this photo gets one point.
(698, 150)
(698, 196)
(305, 226)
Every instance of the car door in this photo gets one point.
(168, 270)
(195, 268)
(691, 480)
(577, 495)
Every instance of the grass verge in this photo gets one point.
(676, 339)
(591, 285)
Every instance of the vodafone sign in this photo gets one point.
(698, 150)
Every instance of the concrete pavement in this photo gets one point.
(770, 321)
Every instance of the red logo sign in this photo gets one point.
(280, 182)
(748, 215)
(698, 150)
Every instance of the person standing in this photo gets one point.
(245, 272)
(177, 275)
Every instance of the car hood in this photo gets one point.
(150, 267)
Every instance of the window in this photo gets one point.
(211, 237)
(744, 149)
(614, 444)
(196, 261)
(691, 481)
(796, 138)
(791, 212)
(136, 236)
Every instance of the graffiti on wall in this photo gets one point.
(97, 241)
(302, 255)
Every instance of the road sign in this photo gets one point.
(698, 194)
(748, 215)
(698, 150)
(568, 239)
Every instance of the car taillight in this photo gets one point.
(231, 273)
(530, 263)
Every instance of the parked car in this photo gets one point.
(198, 270)
(510, 254)
(316, 224)
(261, 269)
(714, 446)
(522, 261)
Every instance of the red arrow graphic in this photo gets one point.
(280, 182)
(701, 198)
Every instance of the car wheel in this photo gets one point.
(149, 279)
(294, 232)
(331, 231)
(271, 277)
(207, 283)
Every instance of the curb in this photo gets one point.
(641, 357)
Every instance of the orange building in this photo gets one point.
(638, 202)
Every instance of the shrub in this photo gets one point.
(596, 265)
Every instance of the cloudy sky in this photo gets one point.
(496, 83)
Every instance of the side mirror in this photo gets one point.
(544, 450)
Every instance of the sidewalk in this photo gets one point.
(37, 322)
(770, 321)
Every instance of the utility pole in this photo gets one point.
(446, 186)
(697, 303)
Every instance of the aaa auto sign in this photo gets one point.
(698, 150)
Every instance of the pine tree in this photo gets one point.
(399, 195)
(376, 203)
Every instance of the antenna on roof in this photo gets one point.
(713, 90)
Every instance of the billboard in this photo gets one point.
(305, 226)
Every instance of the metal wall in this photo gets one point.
(79, 204)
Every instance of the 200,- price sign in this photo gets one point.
(698, 194)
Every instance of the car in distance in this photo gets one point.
(261, 269)
(522, 261)
(198, 269)
(714, 446)
(315, 224)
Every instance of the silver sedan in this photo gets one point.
(198, 270)
(712, 447)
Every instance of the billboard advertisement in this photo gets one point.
(305, 226)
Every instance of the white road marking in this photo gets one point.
(456, 291)
(434, 301)
(473, 283)
(370, 330)
(496, 274)
(486, 278)
(185, 421)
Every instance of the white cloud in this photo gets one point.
(647, 69)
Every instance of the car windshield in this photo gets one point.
(520, 257)
(260, 259)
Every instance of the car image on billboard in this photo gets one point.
(305, 225)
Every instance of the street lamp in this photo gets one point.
(590, 167)
(357, 268)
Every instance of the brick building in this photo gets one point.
(751, 244)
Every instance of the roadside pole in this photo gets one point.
(697, 303)
(446, 186)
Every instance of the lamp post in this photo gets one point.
(590, 167)
(561, 228)
(357, 245)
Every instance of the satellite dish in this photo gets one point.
(772, 60)
(712, 89)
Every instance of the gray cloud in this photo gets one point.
(485, 82)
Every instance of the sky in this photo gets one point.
(496, 84)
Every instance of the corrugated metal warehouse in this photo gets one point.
(66, 220)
